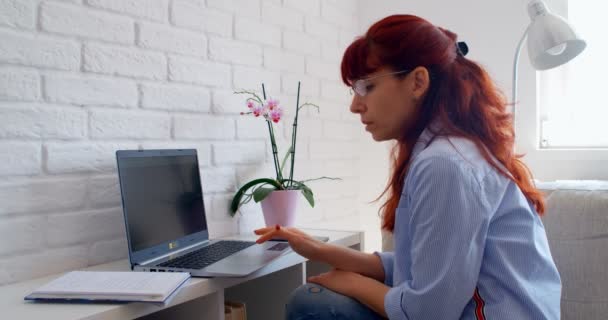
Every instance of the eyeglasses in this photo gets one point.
(360, 86)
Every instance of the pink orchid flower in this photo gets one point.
(272, 103)
(258, 110)
(276, 114)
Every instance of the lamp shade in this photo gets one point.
(551, 40)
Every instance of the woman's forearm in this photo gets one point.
(371, 293)
(348, 259)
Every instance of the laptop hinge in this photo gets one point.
(172, 253)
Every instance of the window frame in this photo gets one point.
(548, 164)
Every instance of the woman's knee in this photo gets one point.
(308, 295)
(312, 301)
(309, 301)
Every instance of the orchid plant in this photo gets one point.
(258, 189)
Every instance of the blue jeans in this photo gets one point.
(312, 301)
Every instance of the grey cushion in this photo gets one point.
(576, 222)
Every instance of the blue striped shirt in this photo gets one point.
(468, 244)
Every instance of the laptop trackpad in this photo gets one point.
(248, 260)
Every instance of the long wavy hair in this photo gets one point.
(462, 99)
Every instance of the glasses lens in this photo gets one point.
(359, 87)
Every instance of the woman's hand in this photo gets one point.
(366, 290)
(343, 282)
(299, 241)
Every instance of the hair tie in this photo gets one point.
(461, 48)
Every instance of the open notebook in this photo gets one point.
(111, 286)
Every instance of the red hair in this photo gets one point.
(461, 98)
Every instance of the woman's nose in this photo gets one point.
(357, 106)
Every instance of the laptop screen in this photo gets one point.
(162, 198)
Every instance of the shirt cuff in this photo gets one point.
(388, 260)
(392, 304)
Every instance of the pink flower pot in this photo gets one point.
(280, 207)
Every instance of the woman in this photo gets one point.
(469, 243)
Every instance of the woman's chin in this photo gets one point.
(378, 138)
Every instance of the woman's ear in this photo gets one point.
(421, 82)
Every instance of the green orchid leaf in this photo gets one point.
(309, 196)
(261, 193)
(236, 201)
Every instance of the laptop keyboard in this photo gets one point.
(207, 255)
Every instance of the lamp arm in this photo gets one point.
(515, 74)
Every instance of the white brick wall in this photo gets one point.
(276, 59)
(234, 51)
(230, 153)
(20, 158)
(250, 29)
(81, 227)
(247, 129)
(80, 79)
(251, 78)
(149, 9)
(310, 7)
(112, 124)
(85, 156)
(90, 90)
(225, 101)
(199, 72)
(281, 16)
(26, 234)
(302, 43)
(41, 121)
(322, 69)
(21, 48)
(103, 191)
(40, 195)
(219, 180)
(42, 262)
(73, 20)
(195, 16)
(337, 13)
(175, 97)
(319, 28)
(170, 39)
(124, 61)
(18, 13)
(203, 127)
(19, 84)
(309, 86)
(245, 8)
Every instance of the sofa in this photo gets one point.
(576, 222)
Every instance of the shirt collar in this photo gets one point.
(425, 139)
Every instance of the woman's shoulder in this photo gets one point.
(454, 153)
(450, 148)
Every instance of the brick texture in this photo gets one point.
(80, 79)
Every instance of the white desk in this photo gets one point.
(264, 292)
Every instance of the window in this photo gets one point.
(573, 98)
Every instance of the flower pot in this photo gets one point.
(279, 207)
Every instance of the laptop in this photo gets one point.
(165, 218)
